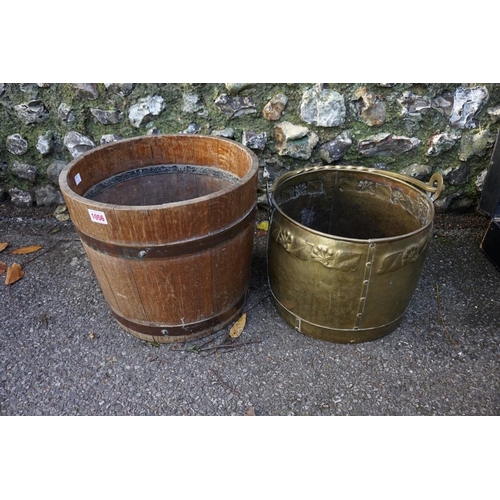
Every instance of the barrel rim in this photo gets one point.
(65, 189)
(349, 168)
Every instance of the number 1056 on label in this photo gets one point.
(96, 216)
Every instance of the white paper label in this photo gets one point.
(78, 179)
(96, 216)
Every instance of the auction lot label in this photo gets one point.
(96, 216)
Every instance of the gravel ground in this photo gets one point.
(62, 353)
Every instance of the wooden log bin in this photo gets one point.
(167, 223)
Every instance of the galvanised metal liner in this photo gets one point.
(346, 248)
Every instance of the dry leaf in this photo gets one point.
(250, 412)
(3, 246)
(14, 272)
(24, 250)
(3, 267)
(60, 209)
(237, 328)
(263, 226)
(62, 217)
(61, 213)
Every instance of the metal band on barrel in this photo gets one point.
(176, 249)
(181, 330)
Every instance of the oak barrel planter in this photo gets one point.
(167, 223)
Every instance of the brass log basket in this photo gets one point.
(346, 247)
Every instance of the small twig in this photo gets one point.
(219, 378)
(259, 302)
(230, 346)
(442, 317)
(209, 341)
(40, 254)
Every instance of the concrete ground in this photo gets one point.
(62, 353)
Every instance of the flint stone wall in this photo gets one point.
(416, 129)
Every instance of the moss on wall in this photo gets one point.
(173, 119)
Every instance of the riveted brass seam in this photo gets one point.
(366, 283)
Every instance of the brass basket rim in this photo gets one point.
(350, 168)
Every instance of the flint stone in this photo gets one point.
(253, 140)
(25, 171)
(226, 132)
(235, 107)
(334, 150)
(494, 113)
(77, 143)
(466, 105)
(443, 104)
(457, 176)
(273, 168)
(3, 86)
(122, 89)
(32, 112)
(291, 132)
(322, 107)
(192, 103)
(65, 113)
(45, 144)
(16, 144)
(414, 105)
(27, 87)
(54, 169)
(107, 117)
(454, 202)
(21, 199)
(273, 109)
(475, 144)
(479, 182)
(294, 140)
(417, 171)
(143, 111)
(107, 138)
(236, 88)
(462, 204)
(193, 128)
(48, 195)
(441, 142)
(443, 204)
(88, 90)
(385, 144)
(368, 107)
(154, 131)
